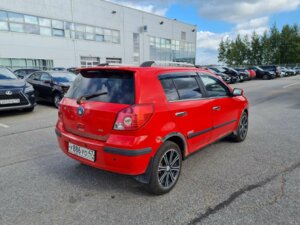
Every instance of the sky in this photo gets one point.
(219, 19)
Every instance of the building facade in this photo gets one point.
(81, 33)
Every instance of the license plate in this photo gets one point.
(82, 152)
(9, 101)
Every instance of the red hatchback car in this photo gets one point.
(144, 121)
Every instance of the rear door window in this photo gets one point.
(181, 88)
(111, 86)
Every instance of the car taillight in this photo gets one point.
(134, 117)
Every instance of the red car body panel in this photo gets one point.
(119, 150)
(252, 74)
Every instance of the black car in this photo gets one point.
(217, 69)
(264, 74)
(223, 76)
(24, 73)
(232, 72)
(272, 68)
(244, 72)
(51, 85)
(15, 93)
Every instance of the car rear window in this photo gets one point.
(118, 86)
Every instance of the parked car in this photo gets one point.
(292, 71)
(287, 71)
(244, 72)
(15, 93)
(110, 119)
(223, 76)
(252, 74)
(240, 76)
(272, 68)
(24, 73)
(263, 74)
(51, 85)
(297, 69)
(72, 70)
(58, 69)
(218, 69)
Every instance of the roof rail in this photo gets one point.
(166, 63)
(114, 64)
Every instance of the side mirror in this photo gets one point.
(237, 92)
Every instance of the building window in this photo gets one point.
(16, 27)
(136, 48)
(44, 22)
(16, 22)
(58, 32)
(15, 17)
(171, 50)
(183, 35)
(114, 60)
(14, 64)
(3, 25)
(3, 16)
(89, 61)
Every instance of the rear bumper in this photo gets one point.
(115, 158)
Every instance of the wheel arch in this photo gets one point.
(178, 139)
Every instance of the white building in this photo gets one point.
(73, 33)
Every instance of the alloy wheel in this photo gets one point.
(169, 168)
(243, 127)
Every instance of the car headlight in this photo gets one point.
(28, 89)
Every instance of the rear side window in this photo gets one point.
(181, 88)
(104, 86)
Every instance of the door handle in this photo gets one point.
(216, 108)
(180, 114)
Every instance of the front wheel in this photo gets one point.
(241, 133)
(56, 100)
(265, 77)
(166, 169)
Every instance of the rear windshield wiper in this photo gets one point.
(89, 96)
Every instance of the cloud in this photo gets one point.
(157, 9)
(259, 25)
(235, 11)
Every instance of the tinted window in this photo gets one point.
(118, 86)
(170, 89)
(45, 77)
(35, 76)
(63, 77)
(187, 87)
(214, 87)
(6, 74)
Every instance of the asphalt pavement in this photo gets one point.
(253, 182)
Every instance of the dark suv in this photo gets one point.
(144, 121)
(263, 74)
(14, 92)
(273, 68)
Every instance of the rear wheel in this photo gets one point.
(166, 169)
(56, 100)
(241, 133)
(265, 77)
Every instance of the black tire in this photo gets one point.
(241, 133)
(266, 77)
(56, 99)
(164, 176)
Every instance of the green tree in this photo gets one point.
(255, 55)
(266, 49)
(222, 51)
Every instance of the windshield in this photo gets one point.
(63, 77)
(104, 86)
(259, 68)
(218, 69)
(6, 74)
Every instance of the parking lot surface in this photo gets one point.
(253, 182)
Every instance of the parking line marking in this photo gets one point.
(286, 86)
(3, 125)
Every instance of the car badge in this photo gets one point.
(80, 111)
(8, 93)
